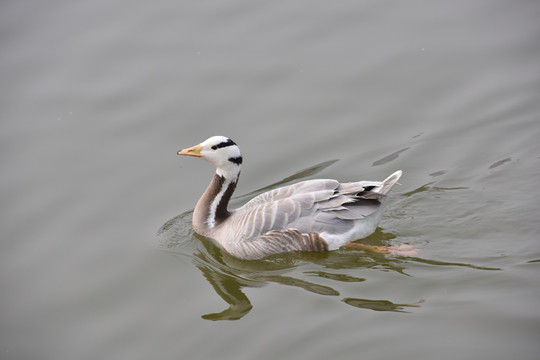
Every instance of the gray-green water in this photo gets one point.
(97, 256)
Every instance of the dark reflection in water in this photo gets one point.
(379, 305)
(428, 187)
(390, 157)
(336, 277)
(229, 275)
(228, 287)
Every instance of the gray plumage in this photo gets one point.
(312, 215)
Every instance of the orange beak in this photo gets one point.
(192, 151)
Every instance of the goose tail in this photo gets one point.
(387, 183)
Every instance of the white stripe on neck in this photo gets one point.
(211, 220)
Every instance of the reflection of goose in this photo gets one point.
(313, 215)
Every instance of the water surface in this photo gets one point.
(98, 258)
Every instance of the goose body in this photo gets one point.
(312, 215)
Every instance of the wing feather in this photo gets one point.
(312, 206)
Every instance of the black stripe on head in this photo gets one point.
(229, 142)
(237, 160)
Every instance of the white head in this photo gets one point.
(220, 151)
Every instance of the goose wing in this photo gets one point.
(312, 206)
(285, 192)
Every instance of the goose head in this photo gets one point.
(220, 151)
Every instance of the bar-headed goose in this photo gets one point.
(312, 215)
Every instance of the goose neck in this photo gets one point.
(211, 209)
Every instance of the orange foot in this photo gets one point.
(403, 250)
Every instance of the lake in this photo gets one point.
(98, 257)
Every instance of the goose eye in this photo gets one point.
(214, 147)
